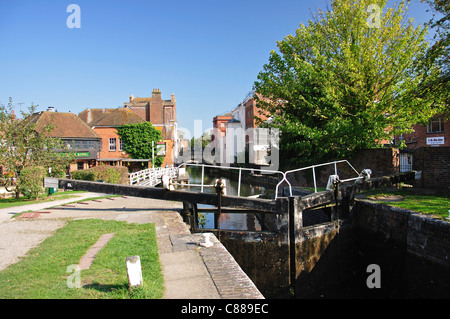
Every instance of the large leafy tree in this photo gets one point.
(346, 81)
(438, 55)
(25, 146)
(138, 138)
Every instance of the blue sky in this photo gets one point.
(207, 52)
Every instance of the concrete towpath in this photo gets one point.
(190, 270)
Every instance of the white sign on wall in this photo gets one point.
(50, 182)
(439, 140)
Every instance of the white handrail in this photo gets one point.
(154, 174)
(240, 171)
(314, 173)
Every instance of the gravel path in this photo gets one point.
(19, 235)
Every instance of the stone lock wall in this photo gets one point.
(411, 249)
(332, 259)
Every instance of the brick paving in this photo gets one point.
(231, 281)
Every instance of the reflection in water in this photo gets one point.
(245, 221)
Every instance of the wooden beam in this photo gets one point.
(163, 194)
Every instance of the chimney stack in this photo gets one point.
(89, 116)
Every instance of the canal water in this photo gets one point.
(242, 221)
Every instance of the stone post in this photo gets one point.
(134, 271)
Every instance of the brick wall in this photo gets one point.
(142, 111)
(434, 162)
(168, 160)
(106, 133)
(382, 161)
(156, 108)
(418, 138)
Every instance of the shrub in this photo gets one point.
(30, 180)
(108, 174)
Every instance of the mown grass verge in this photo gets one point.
(43, 273)
(435, 204)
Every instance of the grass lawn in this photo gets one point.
(10, 202)
(422, 201)
(43, 273)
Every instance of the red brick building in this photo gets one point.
(240, 122)
(252, 111)
(104, 122)
(161, 113)
(435, 134)
(219, 122)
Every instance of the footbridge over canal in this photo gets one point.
(285, 258)
(152, 176)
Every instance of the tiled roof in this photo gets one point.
(110, 117)
(66, 125)
(141, 99)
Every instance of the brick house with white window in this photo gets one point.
(435, 134)
(104, 122)
(428, 152)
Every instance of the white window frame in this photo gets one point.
(120, 144)
(435, 121)
(112, 144)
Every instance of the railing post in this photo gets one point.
(203, 175)
(239, 182)
(314, 177)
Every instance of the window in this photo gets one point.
(435, 125)
(68, 144)
(112, 144)
(120, 144)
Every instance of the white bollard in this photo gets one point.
(134, 271)
(208, 242)
(167, 183)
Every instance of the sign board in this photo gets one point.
(439, 140)
(161, 149)
(50, 182)
(77, 154)
(82, 154)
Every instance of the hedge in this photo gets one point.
(108, 174)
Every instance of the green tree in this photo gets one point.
(31, 181)
(24, 146)
(345, 81)
(437, 87)
(202, 141)
(138, 138)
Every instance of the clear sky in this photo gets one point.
(207, 52)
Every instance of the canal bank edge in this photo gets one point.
(182, 257)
